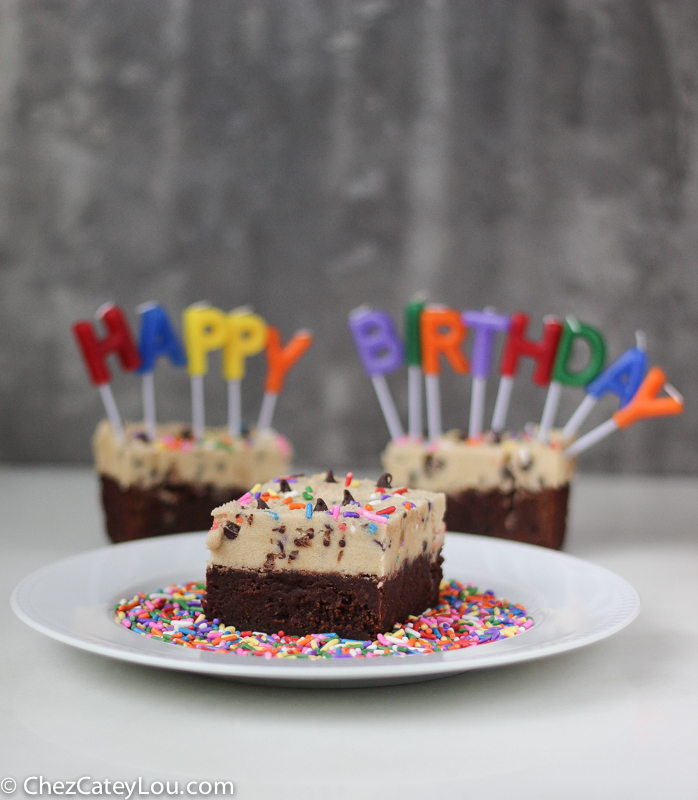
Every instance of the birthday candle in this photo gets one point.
(644, 404)
(516, 347)
(280, 359)
(205, 329)
(486, 325)
(156, 338)
(413, 356)
(247, 336)
(442, 334)
(562, 374)
(622, 378)
(118, 341)
(381, 352)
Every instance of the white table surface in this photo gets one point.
(618, 719)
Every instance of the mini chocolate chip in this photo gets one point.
(188, 434)
(249, 519)
(507, 474)
(329, 478)
(342, 543)
(347, 498)
(284, 485)
(231, 530)
(269, 563)
(293, 555)
(261, 503)
(320, 505)
(385, 481)
(280, 529)
(281, 546)
(142, 435)
(326, 538)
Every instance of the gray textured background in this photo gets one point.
(306, 156)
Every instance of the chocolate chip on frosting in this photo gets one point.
(347, 498)
(385, 481)
(284, 485)
(261, 503)
(231, 530)
(329, 478)
(320, 505)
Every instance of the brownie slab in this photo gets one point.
(360, 606)
(520, 515)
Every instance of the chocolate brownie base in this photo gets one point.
(352, 606)
(523, 516)
(135, 513)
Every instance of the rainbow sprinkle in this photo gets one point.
(463, 618)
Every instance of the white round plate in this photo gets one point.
(573, 603)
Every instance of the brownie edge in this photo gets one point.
(135, 513)
(352, 606)
(520, 515)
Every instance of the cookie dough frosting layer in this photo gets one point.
(284, 537)
(174, 458)
(452, 465)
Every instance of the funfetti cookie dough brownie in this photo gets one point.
(313, 554)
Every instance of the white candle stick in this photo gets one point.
(266, 412)
(595, 435)
(149, 406)
(414, 401)
(501, 406)
(112, 411)
(198, 418)
(576, 420)
(552, 401)
(387, 405)
(433, 407)
(477, 407)
(234, 408)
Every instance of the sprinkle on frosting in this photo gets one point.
(464, 618)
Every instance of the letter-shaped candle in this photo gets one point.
(205, 329)
(622, 378)
(516, 347)
(644, 404)
(247, 336)
(413, 356)
(280, 359)
(157, 338)
(380, 351)
(486, 325)
(443, 333)
(118, 341)
(562, 374)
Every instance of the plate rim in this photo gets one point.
(326, 670)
